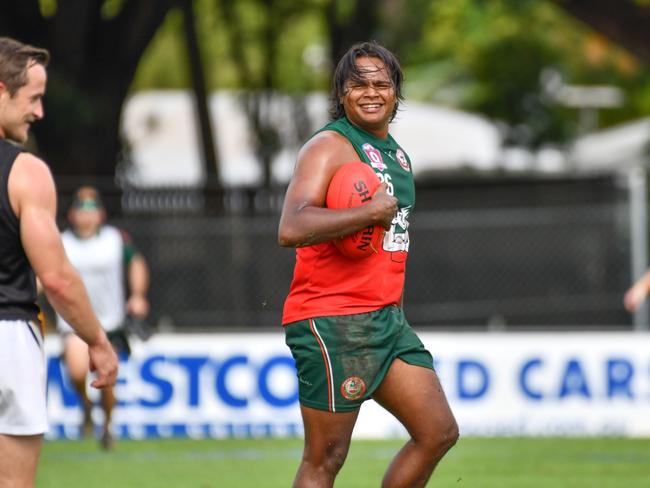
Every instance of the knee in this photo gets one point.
(330, 459)
(334, 457)
(442, 439)
(450, 435)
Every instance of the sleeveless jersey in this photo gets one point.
(327, 283)
(17, 279)
(100, 261)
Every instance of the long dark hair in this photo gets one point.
(346, 70)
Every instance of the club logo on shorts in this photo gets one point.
(401, 159)
(376, 161)
(353, 388)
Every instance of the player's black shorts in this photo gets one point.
(120, 341)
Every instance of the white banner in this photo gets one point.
(498, 384)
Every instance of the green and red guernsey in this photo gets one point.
(327, 283)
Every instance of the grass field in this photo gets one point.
(269, 463)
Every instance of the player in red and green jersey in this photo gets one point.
(343, 318)
(338, 288)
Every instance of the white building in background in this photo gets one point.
(161, 129)
(619, 148)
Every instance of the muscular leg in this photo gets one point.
(327, 440)
(414, 395)
(18, 460)
(75, 355)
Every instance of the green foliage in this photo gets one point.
(483, 56)
(512, 93)
(111, 8)
(490, 57)
(304, 62)
(299, 27)
(47, 7)
(164, 64)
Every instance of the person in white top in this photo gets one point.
(117, 279)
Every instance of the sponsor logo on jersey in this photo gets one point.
(401, 159)
(353, 388)
(376, 161)
(396, 240)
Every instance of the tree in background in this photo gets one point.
(487, 57)
(258, 36)
(494, 57)
(623, 21)
(96, 46)
(268, 50)
(254, 49)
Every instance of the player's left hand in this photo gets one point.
(137, 306)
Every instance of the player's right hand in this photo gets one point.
(385, 205)
(104, 363)
(634, 297)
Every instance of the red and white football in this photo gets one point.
(353, 185)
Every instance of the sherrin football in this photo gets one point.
(353, 185)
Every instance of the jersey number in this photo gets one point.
(385, 178)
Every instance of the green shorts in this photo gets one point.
(341, 360)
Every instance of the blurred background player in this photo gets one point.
(117, 279)
(30, 244)
(343, 318)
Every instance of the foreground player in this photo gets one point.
(30, 242)
(343, 318)
(109, 266)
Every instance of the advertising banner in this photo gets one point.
(498, 384)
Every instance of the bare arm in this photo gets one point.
(33, 199)
(305, 220)
(138, 277)
(637, 293)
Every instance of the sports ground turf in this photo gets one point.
(269, 463)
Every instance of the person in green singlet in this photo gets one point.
(343, 317)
